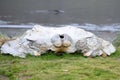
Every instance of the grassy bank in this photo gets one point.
(66, 67)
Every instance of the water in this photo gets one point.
(71, 11)
(93, 15)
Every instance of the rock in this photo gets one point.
(68, 39)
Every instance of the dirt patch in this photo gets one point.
(24, 77)
(2, 77)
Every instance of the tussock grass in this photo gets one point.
(3, 39)
(66, 67)
(3, 36)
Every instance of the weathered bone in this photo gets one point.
(68, 39)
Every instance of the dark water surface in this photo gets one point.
(102, 17)
(70, 11)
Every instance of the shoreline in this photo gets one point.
(15, 32)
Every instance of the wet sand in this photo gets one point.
(107, 35)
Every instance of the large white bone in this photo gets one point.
(40, 39)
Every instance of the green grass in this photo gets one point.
(66, 67)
